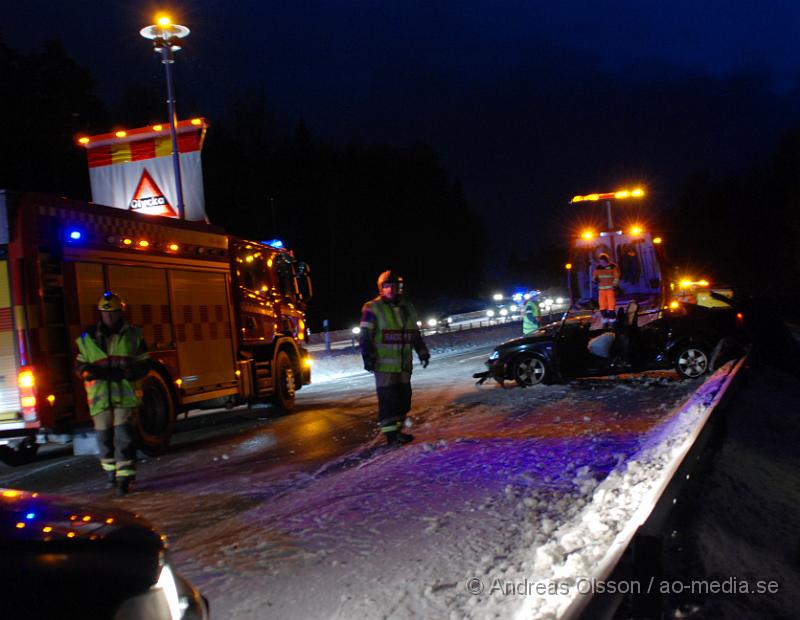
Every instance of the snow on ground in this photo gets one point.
(500, 485)
(741, 519)
(310, 516)
(587, 547)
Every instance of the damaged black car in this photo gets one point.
(690, 338)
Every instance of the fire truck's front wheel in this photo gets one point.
(156, 417)
(283, 397)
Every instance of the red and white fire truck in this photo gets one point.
(223, 317)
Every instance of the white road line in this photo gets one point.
(474, 357)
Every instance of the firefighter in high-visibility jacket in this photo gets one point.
(112, 358)
(606, 276)
(389, 332)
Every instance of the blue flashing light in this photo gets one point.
(274, 243)
(30, 515)
(75, 235)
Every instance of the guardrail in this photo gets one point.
(343, 338)
(637, 550)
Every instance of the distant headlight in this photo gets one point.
(432, 322)
(495, 354)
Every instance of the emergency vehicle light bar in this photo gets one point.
(623, 194)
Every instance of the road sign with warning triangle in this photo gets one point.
(148, 198)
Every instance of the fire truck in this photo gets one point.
(223, 317)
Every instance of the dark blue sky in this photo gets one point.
(527, 103)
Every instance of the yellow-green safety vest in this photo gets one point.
(395, 330)
(530, 324)
(124, 345)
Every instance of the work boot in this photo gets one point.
(404, 438)
(123, 486)
(392, 439)
(111, 479)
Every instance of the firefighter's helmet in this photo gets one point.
(111, 302)
(390, 277)
(604, 257)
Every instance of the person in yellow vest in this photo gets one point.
(389, 332)
(112, 358)
(530, 315)
(606, 276)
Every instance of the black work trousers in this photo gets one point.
(394, 399)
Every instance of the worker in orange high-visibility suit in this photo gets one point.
(606, 276)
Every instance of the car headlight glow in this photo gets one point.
(166, 581)
(432, 322)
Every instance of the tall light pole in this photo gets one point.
(568, 267)
(166, 38)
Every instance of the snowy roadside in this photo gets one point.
(738, 524)
(346, 362)
(501, 486)
(584, 549)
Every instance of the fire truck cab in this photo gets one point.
(223, 317)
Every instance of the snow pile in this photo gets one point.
(309, 516)
(588, 546)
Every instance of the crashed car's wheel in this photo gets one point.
(691, 362)
(530, 370)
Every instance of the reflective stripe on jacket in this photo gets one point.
(124, 348)
(606, 277)
(395, 334)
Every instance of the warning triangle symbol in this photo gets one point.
(148, 198)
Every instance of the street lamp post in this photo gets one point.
(166, 38)
(568, 267)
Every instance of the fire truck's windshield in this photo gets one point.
(288, 283)
(254, 270)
